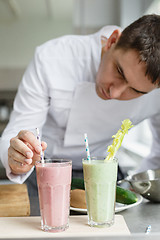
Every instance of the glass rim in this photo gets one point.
(100, 158)
(55, 160)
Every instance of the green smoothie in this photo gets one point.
(100, 185)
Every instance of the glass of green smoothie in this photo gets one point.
(100, 186)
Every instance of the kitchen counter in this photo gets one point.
(137, 218)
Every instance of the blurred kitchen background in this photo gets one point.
(27, 24)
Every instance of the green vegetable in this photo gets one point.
(77, 183)
(118, 138)
(125, 196)
(122, 195)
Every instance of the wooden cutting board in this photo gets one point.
(14, 200)
(29, 227)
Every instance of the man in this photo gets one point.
(78, 84)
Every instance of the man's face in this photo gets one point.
(121, 76)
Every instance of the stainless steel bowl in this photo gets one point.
(146, 183)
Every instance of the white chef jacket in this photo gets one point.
(57, 94)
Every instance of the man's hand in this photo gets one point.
(24, 151)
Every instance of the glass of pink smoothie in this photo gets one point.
(54, 184)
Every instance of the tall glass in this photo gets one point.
(100, 186)
(54, 184)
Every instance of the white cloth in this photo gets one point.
(57, 94)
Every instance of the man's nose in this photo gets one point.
(116, 90)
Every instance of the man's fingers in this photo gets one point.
(30, 138)
(44, 145)
(28, 161)
(17, 156)
(20, 147)
(18, 167)
(24, 152)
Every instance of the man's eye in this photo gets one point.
(135, 91)
(138, 92)
(119, 70)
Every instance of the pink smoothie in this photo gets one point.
(54, 180)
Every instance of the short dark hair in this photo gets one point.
(143, 35)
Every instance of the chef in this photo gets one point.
(85, 84)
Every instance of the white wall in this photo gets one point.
(21, 32)
(19, 35)
(131, 10)
(94, 14)
(19, 39)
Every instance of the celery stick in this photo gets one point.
(118, 138)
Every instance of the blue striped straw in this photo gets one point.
(87, 146)
(39, 139)
(148, 229)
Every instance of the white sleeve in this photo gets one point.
(152, 161)
(29, 111)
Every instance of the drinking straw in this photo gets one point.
(87, 147)
(39, 139)
(148, 229)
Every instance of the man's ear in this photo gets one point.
(112, 39)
